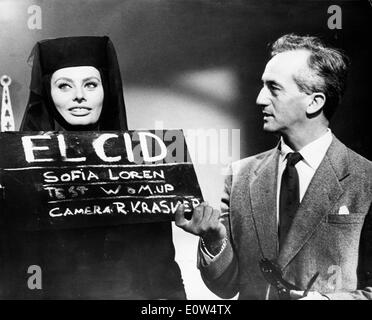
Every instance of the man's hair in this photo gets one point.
(328, 66)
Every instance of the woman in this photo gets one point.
(76, 85)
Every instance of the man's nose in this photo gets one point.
(262, 98)
(79, 95)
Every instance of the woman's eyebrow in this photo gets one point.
(71, 80)
(63, 79)
(90, 78)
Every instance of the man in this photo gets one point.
(296, 221)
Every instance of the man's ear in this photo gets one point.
(317, 101)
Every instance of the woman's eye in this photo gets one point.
(63, 86)
(91, 85)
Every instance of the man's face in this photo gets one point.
(283, 104)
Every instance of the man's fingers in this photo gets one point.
(179, 217)
(215, 216)
(198, 214)
(208, 211)
(204, 222)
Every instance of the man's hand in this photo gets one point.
(204, 223)
(312, 295)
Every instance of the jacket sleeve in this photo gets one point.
(220, 274)
(364, 291)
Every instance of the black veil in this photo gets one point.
(48, 56)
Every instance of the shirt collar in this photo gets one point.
(313, 153)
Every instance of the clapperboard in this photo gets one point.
(61, 180)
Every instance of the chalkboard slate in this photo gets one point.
(64, 180)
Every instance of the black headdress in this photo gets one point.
(50, 55)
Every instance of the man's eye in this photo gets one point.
(91, 85)
(274, 88)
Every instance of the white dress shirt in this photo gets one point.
(312, 154)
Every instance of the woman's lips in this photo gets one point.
(79, 111)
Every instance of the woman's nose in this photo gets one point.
(79, 95)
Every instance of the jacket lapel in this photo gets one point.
(263, 200)
(324, 190)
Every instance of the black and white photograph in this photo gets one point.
(189, 150)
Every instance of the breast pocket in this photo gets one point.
(352, 218)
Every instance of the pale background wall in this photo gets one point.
(196, 64)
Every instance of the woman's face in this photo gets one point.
(77, 93)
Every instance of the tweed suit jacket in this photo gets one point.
(323, 238)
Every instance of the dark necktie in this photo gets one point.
(289, 199)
